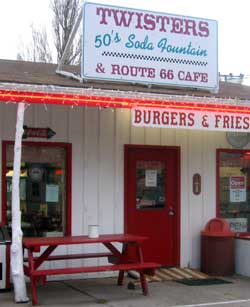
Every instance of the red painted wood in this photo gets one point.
(69, 190)
(74, 256)
(144, 284)
(8, 266)
(217, 183)
(26, 270)
(162, 229)
(140, 267)
(4, 195)
(120, 278)
(124, 263)
(44, 256)
(113, 249)
(67, 240)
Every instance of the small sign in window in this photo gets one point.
(237, 189)
(52, 193)
(238, 224)
(151, 178)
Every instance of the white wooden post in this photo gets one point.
(17, 235)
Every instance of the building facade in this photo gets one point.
(98, 168)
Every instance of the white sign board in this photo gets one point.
(151, 178)
(237, 189)
(190, 119)
(52, 193)
(131, 45)
(238, 224)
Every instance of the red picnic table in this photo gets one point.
(120, 260)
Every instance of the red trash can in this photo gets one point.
(217, 248)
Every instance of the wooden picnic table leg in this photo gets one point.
(124, 258)
(33, 265)
(144, 283)
(32, 278)
(33, 290)
(120, 258)
(120, 278)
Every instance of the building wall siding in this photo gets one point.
(98, 137)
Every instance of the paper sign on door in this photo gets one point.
(151, 178)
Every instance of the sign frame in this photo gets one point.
(92, 68)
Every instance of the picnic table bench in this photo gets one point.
(119, 260)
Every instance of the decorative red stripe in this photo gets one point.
(114, 102)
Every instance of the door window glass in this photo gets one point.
(42, 189)
(234, 189)
(150, 184)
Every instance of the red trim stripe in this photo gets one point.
(114, 102)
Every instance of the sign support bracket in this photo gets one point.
(61, 62)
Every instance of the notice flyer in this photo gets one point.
(237, 189)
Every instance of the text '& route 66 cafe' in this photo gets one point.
(146, 139)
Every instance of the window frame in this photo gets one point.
(68, 149)
(218, 152)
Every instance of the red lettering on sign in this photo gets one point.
(190, 119)
(237, 182)
(134, 71)
(194, 76)
(138, 117)
(145, 21)
(156, 118)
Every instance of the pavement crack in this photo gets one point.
(97, 300)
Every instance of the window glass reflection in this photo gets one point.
(150, 184)
(42, 189)
(234, 189)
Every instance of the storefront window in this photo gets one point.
(150, 184)
(42, 189)
(234, 188)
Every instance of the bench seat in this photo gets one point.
(75, 256)
(145, 267)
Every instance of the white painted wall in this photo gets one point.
(98, 137)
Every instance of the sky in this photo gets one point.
(16, 17)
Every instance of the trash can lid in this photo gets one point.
(4, 235)
(217, 227)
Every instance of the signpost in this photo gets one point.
(131, 45)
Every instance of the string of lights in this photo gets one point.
(48, 94)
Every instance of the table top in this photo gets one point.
(67, 240)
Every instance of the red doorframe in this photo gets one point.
(178, 188)
(68, 148)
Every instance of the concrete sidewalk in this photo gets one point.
(104, 291)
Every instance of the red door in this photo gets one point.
(152, 200)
